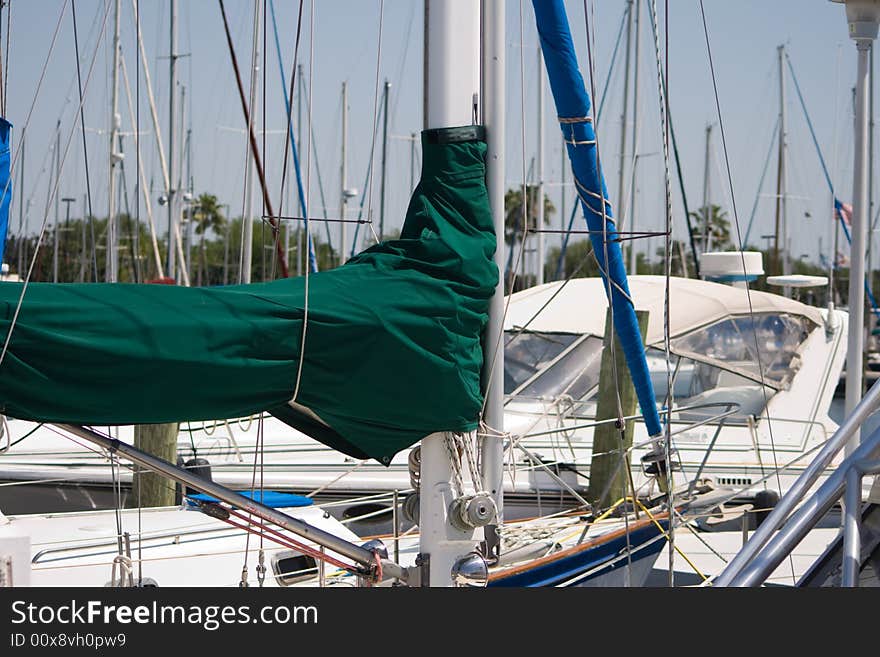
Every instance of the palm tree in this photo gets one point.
(207, 216)
(719, 226)
(514, 230)
(513, 212)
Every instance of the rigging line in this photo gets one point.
(367, 181)
(42, 233)
(27, 121)
(622, 463)
(837, 211)
(742, 255)
(664, 126)
(305, 325)
(6, 57)
(263, 200)
(314, 146)
(512, 266)
(247, 199)
(560, 265)
(290, 144)
(82, 122)
(687, 213)
(761, 181)
(405, 56)
(140, 181)
(282, 259)
(611, 65)
(376, 114)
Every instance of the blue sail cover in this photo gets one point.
(5, 181)
(573, 110)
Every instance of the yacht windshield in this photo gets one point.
(548, 365)
(766, 341)
(695, 383)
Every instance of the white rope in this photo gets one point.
(307, 255)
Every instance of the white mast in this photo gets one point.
(493, 90)
(171, 200)
(863, 17)
(112, 273)
(707, 223)
(783, 171)
(452, 81)
(248, 214)
(635, 145)
(344, 174)
(621, 177)
(540, 209)
(57, 195)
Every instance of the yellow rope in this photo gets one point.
(666, 535)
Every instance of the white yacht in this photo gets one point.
(753, 380)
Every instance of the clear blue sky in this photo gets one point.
(744, 37)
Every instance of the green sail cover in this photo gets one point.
(392, 342)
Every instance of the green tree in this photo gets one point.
(719, 227)
(206, 216)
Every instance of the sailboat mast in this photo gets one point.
(57, 195)
(492, 94)
(621, 173)
(299, 141)
(452, 49)
(343, 176)
(539, 220)
(247, 250)
(779, 232)
(111, 275)
(862, 18)
(384, 159)
(635, 140)
(707, 223)
(21, 204)
(171, 265)
(783, 174)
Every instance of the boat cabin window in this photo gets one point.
(291, 567)
(733, 342)
(526, 353)
(548, 365)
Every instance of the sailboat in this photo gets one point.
(368, 359)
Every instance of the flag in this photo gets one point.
(844, 211)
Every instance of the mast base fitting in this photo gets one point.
(470, 571)
(470, 512)
(655, 465)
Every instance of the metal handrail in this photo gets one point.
(364, 558)
(735, 573)
(639, 416)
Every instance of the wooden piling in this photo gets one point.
(148, 488)
(609, 478)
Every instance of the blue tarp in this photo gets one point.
(271, 498)
(573, 110)
(5, 181)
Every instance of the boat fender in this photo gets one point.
(765, 500)
(200, 467)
